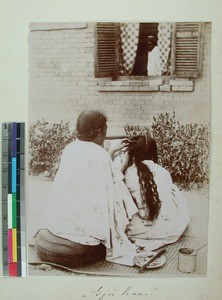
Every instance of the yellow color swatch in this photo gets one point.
(14, 245)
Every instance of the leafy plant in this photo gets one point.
(46, 142)
(182, 149)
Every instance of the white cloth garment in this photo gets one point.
(153, 63)
(173, 217)
(89, 203)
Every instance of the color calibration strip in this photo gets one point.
(13, 200)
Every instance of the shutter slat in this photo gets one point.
(187, 41)
(185, 54)
(186, 49)
(184, 62)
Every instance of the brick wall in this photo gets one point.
(62, 82)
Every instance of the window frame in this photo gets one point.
(115, 75)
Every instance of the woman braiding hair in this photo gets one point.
(88, 206)
(90, 124)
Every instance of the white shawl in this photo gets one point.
(89, 203)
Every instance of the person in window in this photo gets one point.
(163, 215)
(147, 62)
(153, 59)
(89, 206)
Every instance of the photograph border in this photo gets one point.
(14, 89)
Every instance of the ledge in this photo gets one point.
(145, 85)
(56, 26)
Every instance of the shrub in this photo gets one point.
(46, 143)
(132, 130)
(182, 149)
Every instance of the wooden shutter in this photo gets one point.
(107, 50)
(187, 47)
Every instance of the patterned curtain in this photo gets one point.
(164, 44)
(129, 37)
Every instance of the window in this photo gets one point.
(122, 49)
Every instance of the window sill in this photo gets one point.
(143, 84)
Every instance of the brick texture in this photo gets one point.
(62, 84)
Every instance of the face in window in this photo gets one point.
(151, 43)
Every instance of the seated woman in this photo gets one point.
(163, 215)
(89, 206)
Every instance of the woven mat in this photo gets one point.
(104, 268)
(194, 237)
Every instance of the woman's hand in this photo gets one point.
(122, 146)
(124, 161)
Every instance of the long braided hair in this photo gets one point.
(145, 148)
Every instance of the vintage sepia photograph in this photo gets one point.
(119, 149)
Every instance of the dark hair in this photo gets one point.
(89, 123)
(145, 148)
